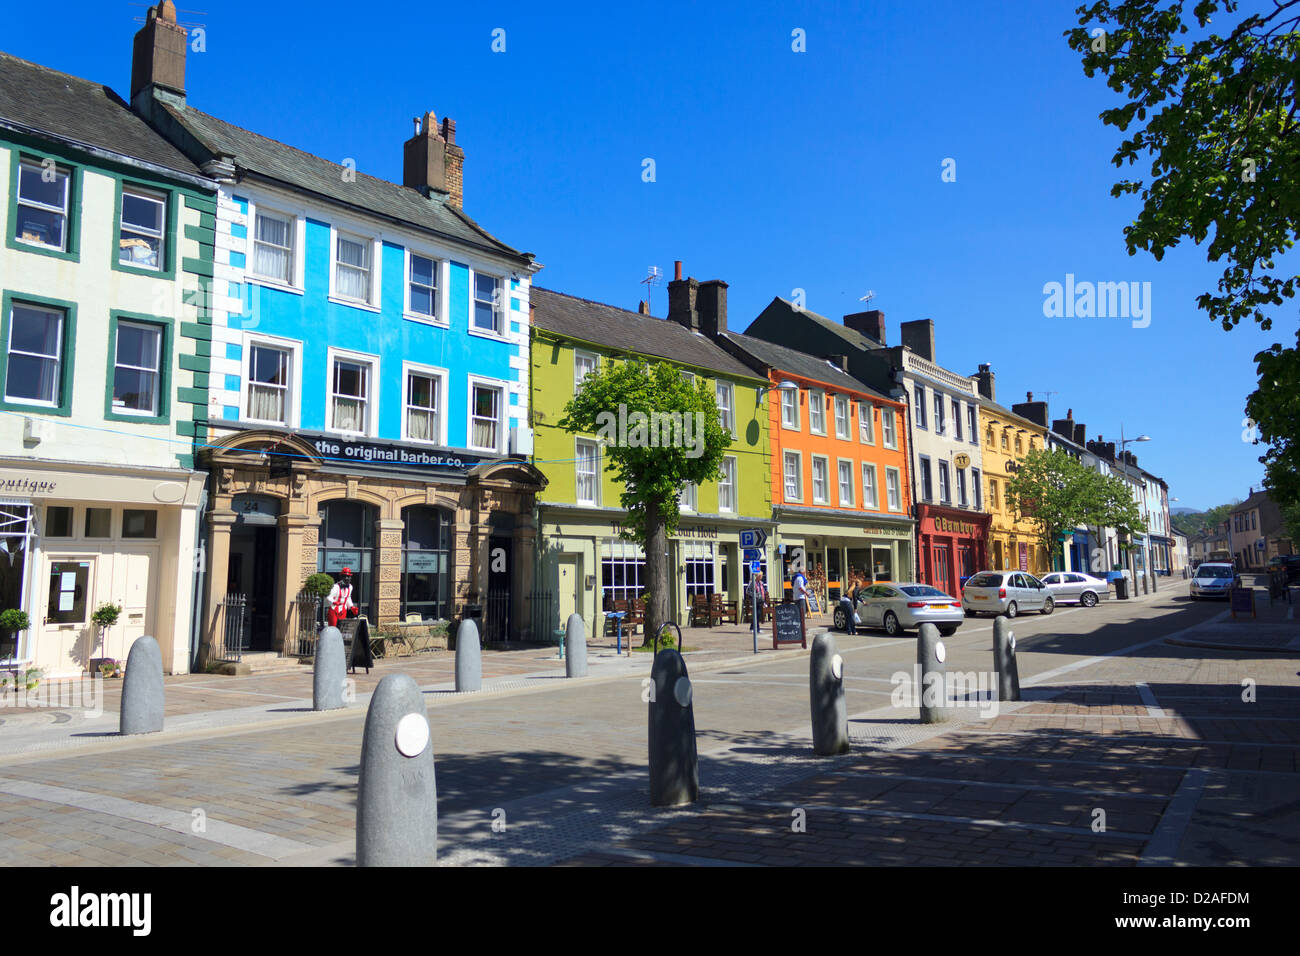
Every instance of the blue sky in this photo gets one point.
(774, 170)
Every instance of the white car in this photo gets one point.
(1072, 587)
(1006, 592)
(1212, 579)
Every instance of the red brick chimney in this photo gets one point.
(158, 56)
(432, 162)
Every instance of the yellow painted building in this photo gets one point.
(1006, 438)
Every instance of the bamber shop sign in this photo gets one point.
(955, 527)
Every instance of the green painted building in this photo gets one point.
(582, 561)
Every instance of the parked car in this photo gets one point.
(1006, 592)
(1072, 587)
(903, 607)
(1212, 579)
(1288, 562)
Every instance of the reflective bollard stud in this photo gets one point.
(469, 657)
(830, 714)
(674, 763)
(397, 793)
(329, 671)
(575, 647)
(930, 657)
(1004, 659)
(143, 699)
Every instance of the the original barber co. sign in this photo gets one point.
(376, 453)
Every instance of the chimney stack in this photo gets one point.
(918, 335)
(871, 324)
(432, 162)
(643, 307)
(158, 56)
(683, 295)
(1036, 412)
(987, 382)
(711, 301)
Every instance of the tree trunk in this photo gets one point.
(657, 611)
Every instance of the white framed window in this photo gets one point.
(727, 486)
(352, 266)
(424, 417)
(790, 408)
(845, 469)
(816, 412)
(939, 424)
(842, 417)
(972, 429)
(793, 466)
(423, 299)
(870, 496)
(821, 480)
(34, 370)
(920, 407)
(726, 407)
(486, 414)
(274, 238)
(487, 307)
(956, 420)
(584, 363)
(945, 491)
(42, 208)
(888, 428)
(893, 489)
(587, 472)
(690, 498)
(866, 426)
(272, 371)
(353, 400)
(961, 485)
(137, 366)
(143, 232)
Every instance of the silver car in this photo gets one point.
(1006, 592)
(902, 607)
(1212, 579)
(1071, 587)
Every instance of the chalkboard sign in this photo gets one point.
(788, 625)
(1242, 601)
(356, 643)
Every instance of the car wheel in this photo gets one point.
(892, 627)
(1012, 610)
(841, 620)
(948, 630)
(1088, 599)
(970, 613)
(1049, 606)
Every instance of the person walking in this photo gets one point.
(848, 601)
(341, 605)
(758, 594)
(799, 585)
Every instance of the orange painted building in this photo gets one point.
(840, 482)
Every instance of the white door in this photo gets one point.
(132, 587)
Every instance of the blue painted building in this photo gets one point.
(368, 388)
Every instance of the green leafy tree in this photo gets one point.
(1058, 493)
(657, 432)
(1212, 101)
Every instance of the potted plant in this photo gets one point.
(319, 584)
(108, 667)
(12, 622)
(33, 677)
(105, 616)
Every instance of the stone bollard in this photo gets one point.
(575, 647)
(1004, 659)
(397, 792)
(1144, 584)
(469, 657)
(1155, 584)
(142, 689)
(930, 657)
(830, 714)
(329, 671)
(674, 764)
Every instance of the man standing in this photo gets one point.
(340, 600)
(800, 588)
(758, 594)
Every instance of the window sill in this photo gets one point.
(263, 281)
(61, 411)
(354, 303)
(429, 320)
(73, 255)
(485, 334)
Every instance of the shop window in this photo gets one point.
(347, 540)
(15, 540)
(99, 522)
(426, 563)
(622, 571)
(58, 521)
(699, 568)
(139, 523)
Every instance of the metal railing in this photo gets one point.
(545, 624)
(496, 616)
(230, 635)
(304, 625)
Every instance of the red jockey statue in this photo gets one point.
(340, 600)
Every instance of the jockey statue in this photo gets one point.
(340, 600)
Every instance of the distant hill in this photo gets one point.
(1194, 523)
(1183, 511)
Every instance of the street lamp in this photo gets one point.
(1146, 557)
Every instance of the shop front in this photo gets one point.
(75, 538)
(834, 547)
(952, 545)
(426, 533)
(586, 566)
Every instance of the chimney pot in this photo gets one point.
(677, 270)
(431, 160)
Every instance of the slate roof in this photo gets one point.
(800, 363)
(69, 107)
(275, 160)
(851, 337)
(624, 331)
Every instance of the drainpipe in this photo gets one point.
(200, 577)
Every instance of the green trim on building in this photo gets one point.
(163, 415)
(67, 355)
(195, 330)
(72, 224)
(198, 267)
(170, 240)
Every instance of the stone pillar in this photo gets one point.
(388, 573)
(525, 558)
(220, 522)
(291, 572)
